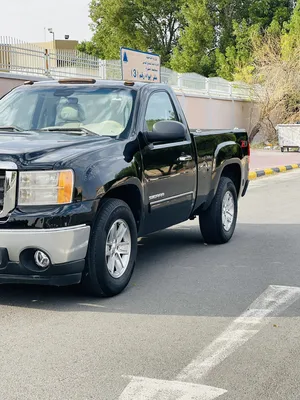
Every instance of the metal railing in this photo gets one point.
(24, 58)
(64, 63)
(20, 57)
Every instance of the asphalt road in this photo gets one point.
(223, 317)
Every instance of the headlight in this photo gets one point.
(45, 187)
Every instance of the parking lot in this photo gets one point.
(225, 318)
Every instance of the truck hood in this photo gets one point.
(47, 147)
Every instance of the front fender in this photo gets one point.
(105, 175)
(101, 170)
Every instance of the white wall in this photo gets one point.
(216, 113)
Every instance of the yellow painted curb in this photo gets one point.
(282, 168)
(269, 171)
(252, 175)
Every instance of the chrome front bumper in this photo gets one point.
(63, 245)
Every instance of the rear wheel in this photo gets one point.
(112, 250)
(218, 222)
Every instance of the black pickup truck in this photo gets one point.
(87, 167)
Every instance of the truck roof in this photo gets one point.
(94, 82)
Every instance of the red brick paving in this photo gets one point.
(261, 159)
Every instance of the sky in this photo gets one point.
(26, 19)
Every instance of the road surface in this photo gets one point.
(214, 321)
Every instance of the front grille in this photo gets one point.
(2, 183)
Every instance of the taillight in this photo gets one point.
(246, 144)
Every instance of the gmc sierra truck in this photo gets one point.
(87, 167)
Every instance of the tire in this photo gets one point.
(101, 273)
(211, 221)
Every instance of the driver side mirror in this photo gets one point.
(167, 131)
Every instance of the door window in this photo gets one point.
(160, 108)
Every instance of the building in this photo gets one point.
(67, 45)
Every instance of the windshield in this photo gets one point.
(102, 111)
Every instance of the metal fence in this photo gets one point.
(24, 58)
(20, 57)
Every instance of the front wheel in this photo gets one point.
(112, 250)
(218, 222)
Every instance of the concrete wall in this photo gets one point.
(7, 84)
(215, 113)
(9, 81)
(201, 112)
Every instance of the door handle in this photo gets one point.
(184, 158)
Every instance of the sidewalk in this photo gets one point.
(261, 159)
(268, 162)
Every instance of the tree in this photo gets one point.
(291, 34)
(195, 45)
(277, 71)
(209, 37)
(262, 16)
(226, 13)
(264, 12)
(236, 63)
(90, 48)
(138, 24)
(207, 26)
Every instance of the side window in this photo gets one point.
(160, 108)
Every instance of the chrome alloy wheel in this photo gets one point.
(118, 248)
(228, 211)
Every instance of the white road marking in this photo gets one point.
(91, 305)
(180, 228)
(271, 303)
(155, 389)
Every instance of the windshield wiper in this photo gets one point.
(71, 130)
(11, 128)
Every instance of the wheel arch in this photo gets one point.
(234, 172)
(131, 194)
(231, 169)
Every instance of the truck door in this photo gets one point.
(169, 169)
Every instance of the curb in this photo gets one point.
(271, 171)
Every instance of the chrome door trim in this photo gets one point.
(178, 196)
